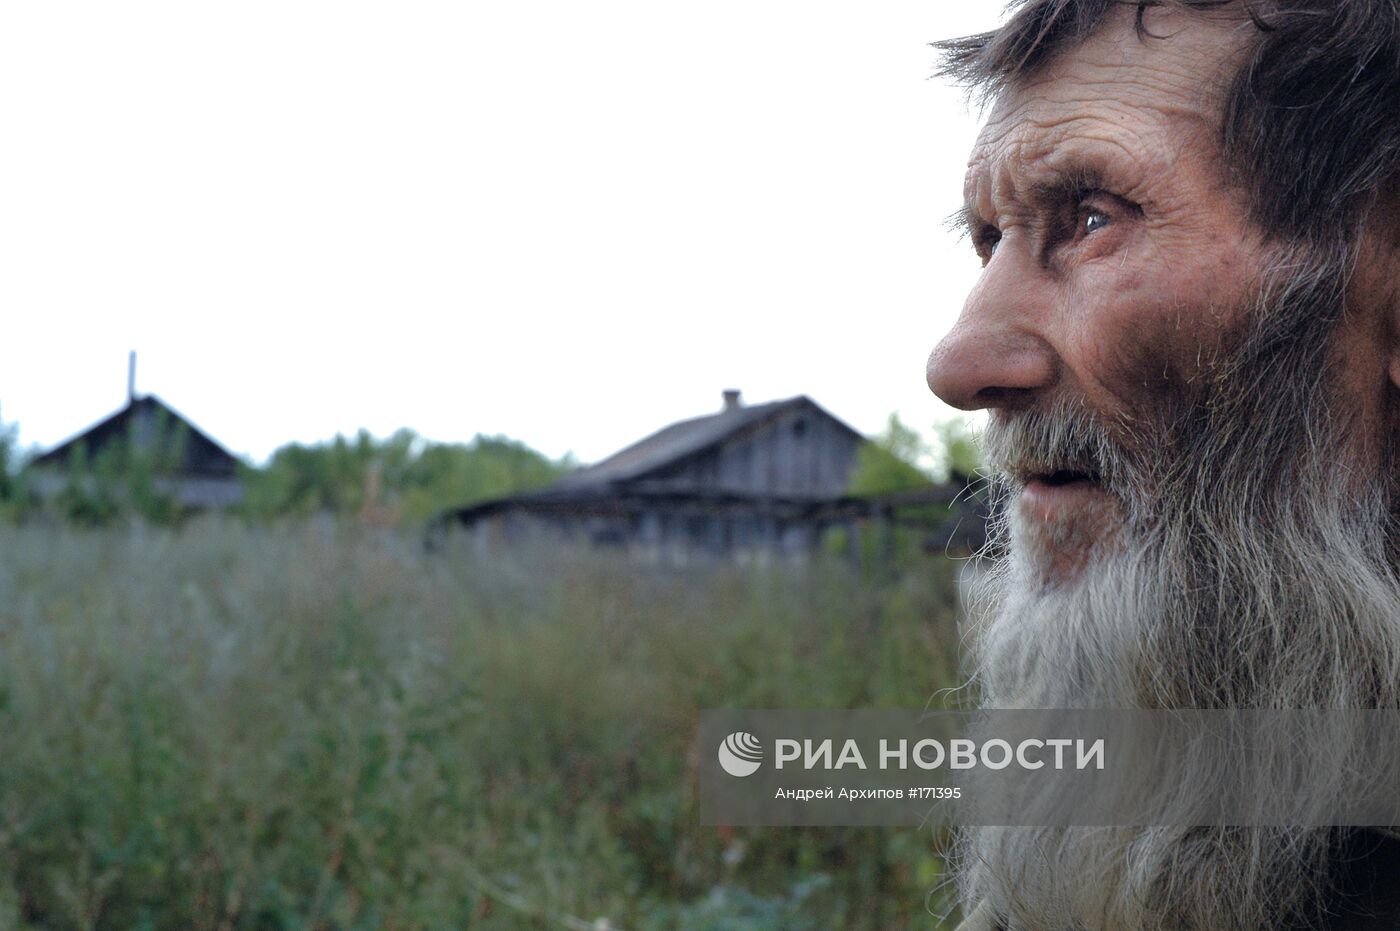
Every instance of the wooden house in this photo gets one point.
(189, 465)
(747, 481)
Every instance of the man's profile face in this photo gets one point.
(1120, 270)
(1195, 423)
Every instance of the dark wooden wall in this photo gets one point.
(801, 453)
(146, 425)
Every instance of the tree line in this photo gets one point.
(399, 480)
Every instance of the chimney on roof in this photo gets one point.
(131, 377)
(733, 400)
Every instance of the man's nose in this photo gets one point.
(994, 357)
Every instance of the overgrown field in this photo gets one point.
(229, 727)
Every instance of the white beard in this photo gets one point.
(1231, 593)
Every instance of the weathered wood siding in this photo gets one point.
(800, 453)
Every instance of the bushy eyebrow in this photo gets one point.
(964, 221)
(1049, 188)
(1067, 182)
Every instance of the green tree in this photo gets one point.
(16, 499)
(891, 461)
(9, 459)
(401, 478)
(957, 451)
(451, 475)
(899, 458)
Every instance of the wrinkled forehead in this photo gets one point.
(1120, 102)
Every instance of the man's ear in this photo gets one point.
(1392, 348)
(1390, 311)
(1378, 274)
(1390, 330)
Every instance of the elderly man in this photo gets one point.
(1187, 333)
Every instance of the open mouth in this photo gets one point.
(1063, 477)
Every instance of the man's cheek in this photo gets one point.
(1150, 339)
(1129, 349)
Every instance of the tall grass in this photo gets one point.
(318, 727)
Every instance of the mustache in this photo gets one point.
(1067, 439)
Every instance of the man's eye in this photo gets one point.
(1094, 220)
(989, 241)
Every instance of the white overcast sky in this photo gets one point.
(568, 222)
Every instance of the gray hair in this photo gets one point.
(1310, 129)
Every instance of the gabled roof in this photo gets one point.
(686, 438)
(204, 455)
